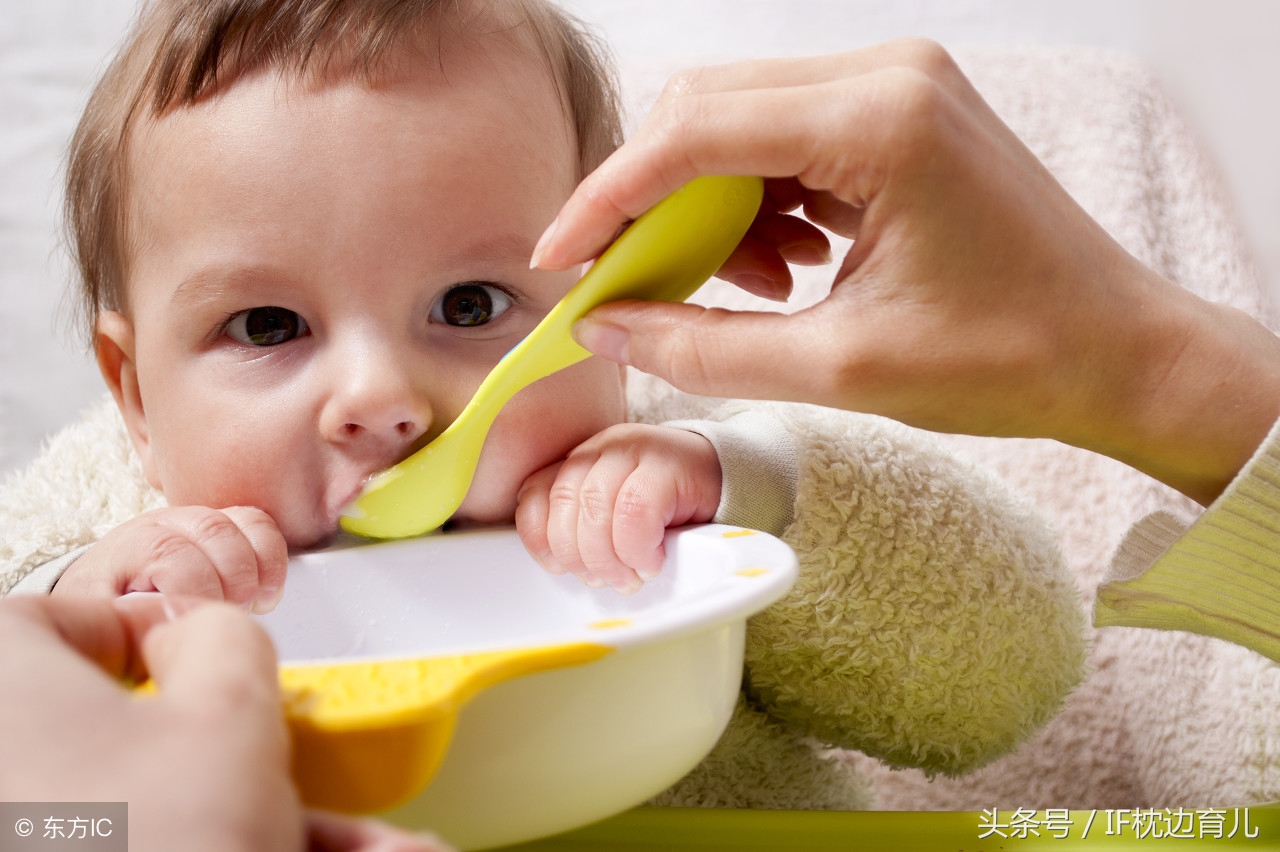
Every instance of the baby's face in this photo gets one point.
(320, 277)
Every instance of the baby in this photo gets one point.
(300, 267)
(304, 230)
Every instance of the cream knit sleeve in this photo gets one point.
(1218, 576)
(758, 466)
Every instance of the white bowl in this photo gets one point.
(550, 751)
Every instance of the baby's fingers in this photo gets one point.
(613, 488)
(270, 552)
(580, 524)
(236, 554)
(202, 552)
(533, 506)
(642, 512)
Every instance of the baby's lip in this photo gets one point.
(344, 507)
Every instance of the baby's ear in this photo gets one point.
(114, 344)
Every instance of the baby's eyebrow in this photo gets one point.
(502, 247)
(213, 283)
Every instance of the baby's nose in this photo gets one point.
(376, 403)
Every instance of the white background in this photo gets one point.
(1218, 60)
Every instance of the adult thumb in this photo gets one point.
(707, 351)
(214, 657)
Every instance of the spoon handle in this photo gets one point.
(665, 255)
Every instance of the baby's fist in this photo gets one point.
(603, 512)
(235, 554)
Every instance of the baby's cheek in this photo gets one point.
(511, 454)
(529, 435)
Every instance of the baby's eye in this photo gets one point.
(470, 304)
(266, 326)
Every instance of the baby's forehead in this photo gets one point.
(271, 115)
(502, 65)
(434, 172)
(297, 110)
(184, 54)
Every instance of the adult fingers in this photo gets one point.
(834, 213)
(106, 632)
(700, 140)
(715, 352)
(139, 614)
(759, 263)
(217, 702)
(215, 660)
(790, 72)
(329, 832)
(830, 123)
(798, 241)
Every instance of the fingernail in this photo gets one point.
(806, 254)
(542, 243)
(548, 563)
(594, 582)
(628, 586)
(647, 574)
(601, 338)
(266, 600)
(761, 286)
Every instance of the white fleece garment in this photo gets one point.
(933, 625)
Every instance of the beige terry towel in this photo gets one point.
(1165, 719)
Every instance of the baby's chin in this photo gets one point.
(310, 533)
(311, 539)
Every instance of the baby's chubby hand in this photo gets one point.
(235, 554)
(601, 514)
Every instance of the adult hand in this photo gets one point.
(978, 297)
(203, 763)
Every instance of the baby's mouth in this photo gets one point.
(346, 506)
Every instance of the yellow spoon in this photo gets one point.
(666, 254)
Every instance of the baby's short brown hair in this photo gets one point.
(181, 51)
